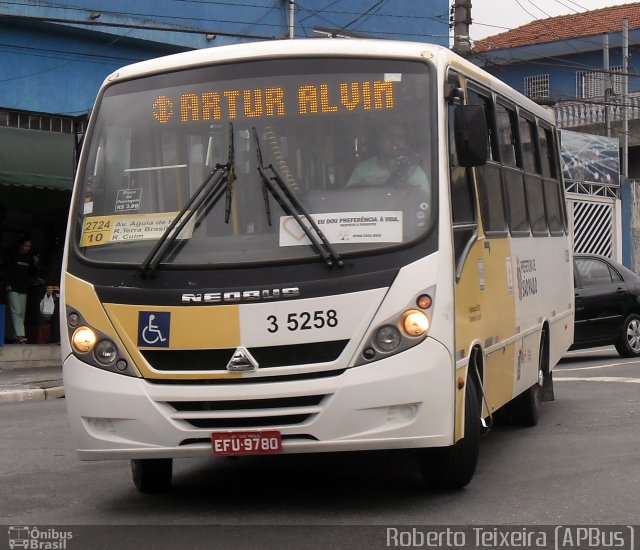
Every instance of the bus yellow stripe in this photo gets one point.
(204, 327)
(81, 296)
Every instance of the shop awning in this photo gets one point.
(35, 158)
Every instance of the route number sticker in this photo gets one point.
(99, 230)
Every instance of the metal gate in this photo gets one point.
(594, 225)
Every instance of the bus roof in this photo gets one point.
(320, 47)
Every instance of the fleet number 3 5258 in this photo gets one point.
(304, 320)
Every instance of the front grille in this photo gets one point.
(263, 422)
(267, 357)
(246, 413)
(247, 404)
(246, 380)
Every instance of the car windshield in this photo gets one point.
(351, 139)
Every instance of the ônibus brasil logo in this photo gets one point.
(34, 538)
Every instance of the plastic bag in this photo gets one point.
(47, 305)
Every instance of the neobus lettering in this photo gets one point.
(240, 296)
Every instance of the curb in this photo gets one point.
(18, 365)
(31, 394)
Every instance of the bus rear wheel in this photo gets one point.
(525, 409)
(453, 467)
(152, 475)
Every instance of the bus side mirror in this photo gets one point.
(470, 130)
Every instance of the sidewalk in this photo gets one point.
(30, 373)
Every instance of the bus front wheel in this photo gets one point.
(152, 475)
(453, 467)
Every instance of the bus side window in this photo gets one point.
(551, 183)
(533, 181)
(512, 174)
(463, 209)
(488, 176)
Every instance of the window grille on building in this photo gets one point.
(594, 83)
(537, 87)
(39, 121)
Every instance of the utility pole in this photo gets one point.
(461, 22)
(292, 18)
(625, 94)
(607, 83)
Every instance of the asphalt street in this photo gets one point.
(579, 465)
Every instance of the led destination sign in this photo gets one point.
(274, 101)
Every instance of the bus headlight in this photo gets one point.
(96, 348)
(387, 338)
(105, 352)
(414, 322)
(401, 331)
(83, 339)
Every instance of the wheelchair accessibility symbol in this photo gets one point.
(153, 329)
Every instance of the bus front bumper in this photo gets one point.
(404, 401)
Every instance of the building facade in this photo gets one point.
(54, 57)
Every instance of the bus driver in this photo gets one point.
(393, 164)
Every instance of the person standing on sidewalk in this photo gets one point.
(19, 268)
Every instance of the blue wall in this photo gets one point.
(402, 19)
(561, 61)
(58, 68)
(50, 69)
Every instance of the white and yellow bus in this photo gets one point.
(312, 246)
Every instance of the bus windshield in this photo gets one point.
(351, 139)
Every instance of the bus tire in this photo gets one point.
(525, 409)
(628, 344)
(453, 467)
(152, 475)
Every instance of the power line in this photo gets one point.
(53, 5)
(137, 14)
(133, 26)
(52, 53)
(371, 12)
(436, 18)
(317, 12)
(60, 66)
(375, 5)
(581, 7)
(525, 10)
(538, 7)
(568, 7)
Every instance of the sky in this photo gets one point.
(495, 16)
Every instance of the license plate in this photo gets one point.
(246, 443)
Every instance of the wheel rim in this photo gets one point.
(633, 335)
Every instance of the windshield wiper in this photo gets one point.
(220, 180)
(231, 175)
(292, 206)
